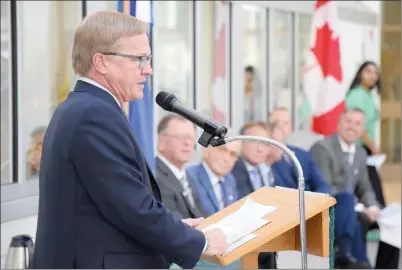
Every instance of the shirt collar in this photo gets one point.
(90, 81)
(211, 175)
(250, 167)
(351, 149)
(178, 173)
(264, 168)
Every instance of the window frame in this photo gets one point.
(19, 199)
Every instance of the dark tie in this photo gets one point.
(224, 192)
(348, 169)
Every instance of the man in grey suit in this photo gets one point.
(342, 162)
(176, 139)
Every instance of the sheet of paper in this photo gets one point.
(389, 222)
(240, 242)
(376, 160)
(244, 221)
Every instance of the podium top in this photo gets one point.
(283, 219)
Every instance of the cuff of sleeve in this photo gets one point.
(374, 208)
(359, 207)
(206, 245)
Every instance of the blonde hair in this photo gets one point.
(98, 33)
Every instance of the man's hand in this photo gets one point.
(371, 213)
(193, 222)
(217, 242)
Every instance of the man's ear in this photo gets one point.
(99, 63)
(161, 143)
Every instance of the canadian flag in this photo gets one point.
(219, 80)
(323, 72)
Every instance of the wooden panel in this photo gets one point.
(391, 12)
(391, 182)
(391, 28)
(391, 110)
(317, 235)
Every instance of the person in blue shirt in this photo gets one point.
(350, 249)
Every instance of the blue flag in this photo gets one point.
(141, 113)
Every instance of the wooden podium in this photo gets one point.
(283, 232)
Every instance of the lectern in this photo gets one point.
(283, 232)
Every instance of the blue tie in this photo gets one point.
(224, 191)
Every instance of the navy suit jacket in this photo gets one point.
(243, 181)
(205, 191)
(285, 172)
(99, 205)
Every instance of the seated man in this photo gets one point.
(251, 175)
(212, 180)
(351, 251)
(343, 164)
(176, 138)
(214, 185)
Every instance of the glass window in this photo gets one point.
(173, 50)
(6, 90)
(207, 41)
(281, 59)
(303, 105)
(255, 59)
(42, 89)
(215, 54)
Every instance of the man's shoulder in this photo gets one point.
(193, 169)
(297, 150)
(325, 143)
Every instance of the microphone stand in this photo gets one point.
(208, 139)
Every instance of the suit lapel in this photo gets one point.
(176, 185)
(196, 210)
(208, 186)
(168, 176)
(282, 171)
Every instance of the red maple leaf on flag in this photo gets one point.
(320, 3)
(327, 53)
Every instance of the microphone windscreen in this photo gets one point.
(165, 100)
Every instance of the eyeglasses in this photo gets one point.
(142, 60)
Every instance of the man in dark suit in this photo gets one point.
(99, 205)
(176, 137)
(350, 252)
(250, 175)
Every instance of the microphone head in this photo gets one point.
(165, 100)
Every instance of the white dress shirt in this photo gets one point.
(350, 149)
(90, 81)
(178, 173)
(263, 173)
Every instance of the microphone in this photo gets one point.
(212, 129)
